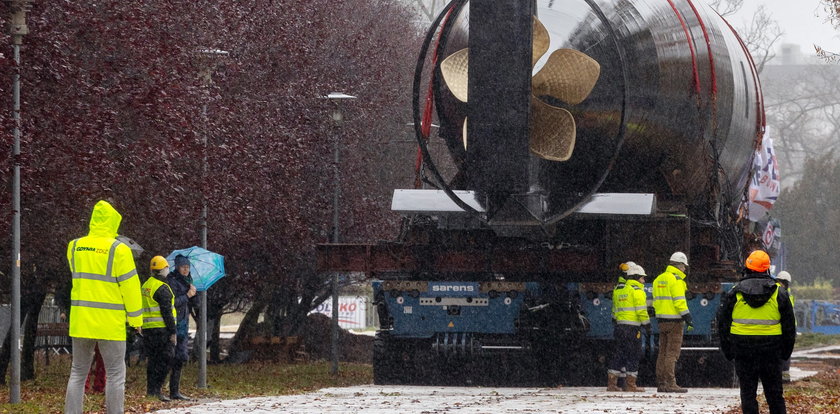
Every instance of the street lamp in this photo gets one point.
(17, 28)
(207, 65)
(338, 117)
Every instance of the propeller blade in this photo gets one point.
(552, 131)
(454, 70)
(540, 42)
(568, 75)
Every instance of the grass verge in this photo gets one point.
(813, 340)
(45, 394)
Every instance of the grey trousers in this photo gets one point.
(113, 354)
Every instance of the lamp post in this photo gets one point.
(209, 58)
(338, 117)
(17, 28)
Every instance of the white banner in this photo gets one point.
(351, 311)
(765, 185)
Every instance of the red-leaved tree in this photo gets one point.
(118, 98)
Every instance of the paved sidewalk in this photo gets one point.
(372, 399)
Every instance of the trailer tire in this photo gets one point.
(384, 360)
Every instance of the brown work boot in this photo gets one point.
(630, 385)
(672, 388)
(612, 382)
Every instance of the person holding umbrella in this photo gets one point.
(180, 281)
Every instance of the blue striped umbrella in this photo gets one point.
(206, 267)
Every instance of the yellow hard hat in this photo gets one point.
(159, 262)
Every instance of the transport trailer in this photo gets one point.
(579, 135)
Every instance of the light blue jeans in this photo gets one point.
(113, 354)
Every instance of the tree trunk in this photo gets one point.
(5, 356)
(27, 301)
(246, 327)
(214, 313)
(30, 329)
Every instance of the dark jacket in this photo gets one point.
(180, 285)
(164, 300)
(756, 289)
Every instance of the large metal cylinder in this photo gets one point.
(676, 109)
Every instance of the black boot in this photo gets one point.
(175, 384)
(157, 394)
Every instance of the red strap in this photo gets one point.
(426, 120)
(708, 46)
(690, 47)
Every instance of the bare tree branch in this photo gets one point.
(761, 36)
(726, 7)
(832, 8)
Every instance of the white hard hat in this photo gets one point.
(636, 270)
(783, 275)
(679, 257)
(624, 267)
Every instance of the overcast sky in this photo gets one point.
(803, 21)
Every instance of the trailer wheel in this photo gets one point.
(385, 359)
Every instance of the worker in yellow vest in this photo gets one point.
(630, 316)
(671, 311)
(784, 279)
(757, 329)
(104, 295)
(158, 326)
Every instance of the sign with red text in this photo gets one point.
(352, 311)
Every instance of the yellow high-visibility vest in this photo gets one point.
(152, 317)
(669, 294)
(764, 320)
(106, 288)
(630, 304)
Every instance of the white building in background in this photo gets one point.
(790, 54)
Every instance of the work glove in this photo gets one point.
(647, 329)
(689, 323)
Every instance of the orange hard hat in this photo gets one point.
(758, 261)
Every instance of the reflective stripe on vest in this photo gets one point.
(669, 294)
(152, 317)
(764, 320)
(630, 304)
(98, 305)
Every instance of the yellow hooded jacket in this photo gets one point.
(669, 294)
(106, 288)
